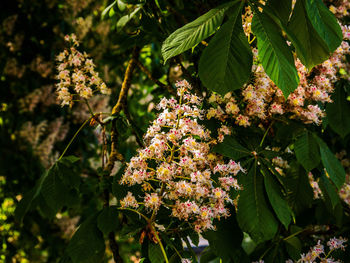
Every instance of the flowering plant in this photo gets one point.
(241, 152)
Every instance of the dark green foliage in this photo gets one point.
(274, 53)
(87, 245)
(108, 220)
(225, 64)
(338, 112)
(306, 151)
(252, 204)
(193, 33)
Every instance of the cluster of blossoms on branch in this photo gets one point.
(177, 170)
(262, 99)
(344, 192)
(318, 254)
(77, 75)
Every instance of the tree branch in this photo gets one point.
(115, 155)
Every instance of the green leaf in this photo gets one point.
(274, 53)
(155, 254)
(207, 256)
(226, 63)
(277, 201)
(53, 190)
(125, 19)
(293, 247)
(108, 220)
(300, 194)
(193, 235)
(306, 151)
(107, 9)
(225, 241)
(329, 191)
(325, 23)
(253, 211)
(338, 112)
(87, 245)
(334, 168)
(282, 9)
(310, 47)
(230, 147)
(193, 33)
(26, 202)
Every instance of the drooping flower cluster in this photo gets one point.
(176, 170)
(315, 187)
(318, 251)
(340, 8)
(262, 99)
(344, 192)
(76, 72)
(318, 254)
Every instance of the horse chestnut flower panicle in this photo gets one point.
(176, 170)
(76, 71)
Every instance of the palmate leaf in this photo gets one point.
(274, 53)
(231, 148)
(225, 242)
(333, 167)
(193, 33)
(300, 193)
(108, 220)
(310, 47)
(338, 112)
(282, 9)
(253, 211)
(155, 253)
(54, 186)
(26, 202)
(226, 63)
(277, 200)
(306, 151)
(325, 23)
(329, 191)
(87, 245)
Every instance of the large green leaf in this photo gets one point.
(193, 33)
(27, 200)
(329, 191)
(107, 220)
(274, 53)
(155, 254)
(53, 189)
(253, 211)
(311, 48)
(226, 63)
(325, 23)
(231, 148)
(225, 241)
(277, 201)
(306, 151)
(87, 245)
(338, 112)
(333, 167)
(125, 19)
(282, 9)
(299, 192)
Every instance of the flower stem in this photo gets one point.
(160, 244)
(75, 135)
